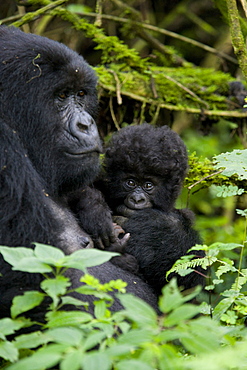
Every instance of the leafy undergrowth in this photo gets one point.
(183, 336)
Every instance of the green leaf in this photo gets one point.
(234, 163)
(117, 350)
(66, 335)
(138, 311)
(171, 297)
(8, 351)
(96, 360)
(93, 339)
(55, 287)
(32, 264)
(133, 365)
(84, 258)
(100, 309)
(26, 302)
(40, 360)
(72, 360)
(70, 318)
(201, 336)
(31, 340)
(222, 307)
(135, 337)
(73, 301)
(9, 326)
(180, 314)
(13, 255)
(48, 254)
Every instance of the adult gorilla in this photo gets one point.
(49, 146)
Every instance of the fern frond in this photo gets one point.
(179, 267)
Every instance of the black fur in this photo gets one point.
(144, 171)
(49, 147)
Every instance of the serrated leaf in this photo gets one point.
(135, 337)
(33, 265)
(26, 302)
(71, 318)
(65, 335)
(9, 326)
(222, 307)
(8, 351)
(180, 314)
(47, 253)
(84, 258)
(235, 163)
(133, 365)
(72, 360)
(13, 255)
(73, 301)
(96, 360)
(93, 340)
(55, 287)
(31, 340)
(138, 311)
(38, 361)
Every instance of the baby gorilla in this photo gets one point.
(144, 171)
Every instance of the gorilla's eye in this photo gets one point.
(130, 183)
(81, 93)
(62, 95)
(148, 185)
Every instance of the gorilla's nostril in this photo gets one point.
(82, 127)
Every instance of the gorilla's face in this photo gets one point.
(53, 108)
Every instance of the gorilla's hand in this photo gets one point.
(94, 216)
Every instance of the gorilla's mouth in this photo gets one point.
(92, 152)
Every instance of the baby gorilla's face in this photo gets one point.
(138, 193)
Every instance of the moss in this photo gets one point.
(173, 88)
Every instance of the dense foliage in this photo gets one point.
(165, 63)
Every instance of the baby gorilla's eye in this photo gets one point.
(130, 183)
(81, 93)
(148, 185)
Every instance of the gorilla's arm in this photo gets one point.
(94, 215)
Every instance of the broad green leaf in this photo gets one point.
(31, 340)
(38, 361)
(13, 255)
(55, 287)
(9, 326)
(72, 360)
(222, 307)
(100, 309)
(135, 337)
(8, 351)
(117, 350)
(234, 163)
(96, 360)
(169, 359)
(66, 335)
(84, 258)
(133, 365)
(48, 254)
(138, 311)
(93, 339)
(201, 335)
(171, 297)
(70, 318)
(26, 302)
(180, 314)
(73, 301)
(32, 264)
